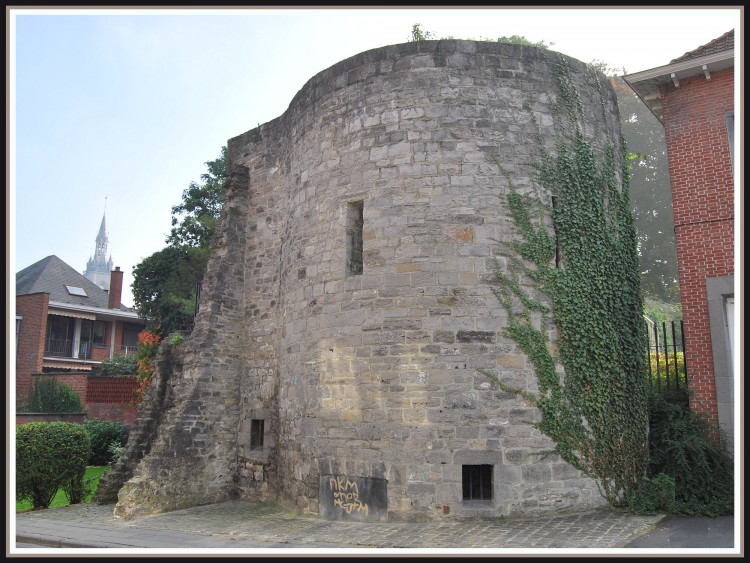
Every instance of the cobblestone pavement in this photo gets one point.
(241, 524)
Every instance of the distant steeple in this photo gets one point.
(98, 268)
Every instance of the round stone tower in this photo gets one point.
(348, 313)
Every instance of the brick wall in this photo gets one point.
(33, 308)
(76, 381)
(72, 417)
(105, 398)
(111, 398)
(703, 198)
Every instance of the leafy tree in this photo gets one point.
(521, 40)
(650, 194)
(194, 220)
(650, 191)
(417, 34)
(164, 284)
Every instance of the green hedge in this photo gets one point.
(119, 365)
(103, 433)
(681, 447)
(49, 456)
(49, 395)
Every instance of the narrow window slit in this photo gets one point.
(354, 245)
(256, 434)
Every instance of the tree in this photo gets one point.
(193, 220)
(650, 191)
(164, 286)
(165, 283)
(418, 35)
(521, 40)
(650, 194)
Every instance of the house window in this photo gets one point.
(100, 331)
(73, 290)
(477, 482)
(256, 434)
(354, 223)
(59, 341)
(130, 337)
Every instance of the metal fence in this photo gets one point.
(67, 348)
(667, 364)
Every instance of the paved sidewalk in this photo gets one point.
(690, 533)
(245, 525)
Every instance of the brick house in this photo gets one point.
(693, 97)
(67, 325)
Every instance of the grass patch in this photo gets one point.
(92, 476)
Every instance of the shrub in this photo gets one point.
(668, 372)
(115, 450)
(680, 446)
(119, 365)
(653, 495)
(102, 433)
(76, 488)
(50, 455)
(49, 395)
(148, 344)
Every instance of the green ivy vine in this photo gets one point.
(592, 386)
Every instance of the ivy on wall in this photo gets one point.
(592, 379)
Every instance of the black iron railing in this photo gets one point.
(666, 359)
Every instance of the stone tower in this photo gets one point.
(347, 307)
(99, 267)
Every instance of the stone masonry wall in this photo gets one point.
(190, 458)
(377, 373)
(366, 383)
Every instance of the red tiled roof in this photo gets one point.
(723, 43)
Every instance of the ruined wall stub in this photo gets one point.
(357, 344)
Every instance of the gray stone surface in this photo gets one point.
(246, 525)
(374, 374)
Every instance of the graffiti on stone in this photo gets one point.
(346, 495)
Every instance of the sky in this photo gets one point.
(123, 108)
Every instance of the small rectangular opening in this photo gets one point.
(256, 434)
(354, 246)
(558, 258)
(477, 482)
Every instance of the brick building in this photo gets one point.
(693, 97)
(67, 325)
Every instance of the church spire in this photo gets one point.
(100, 254)
(98, 268)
